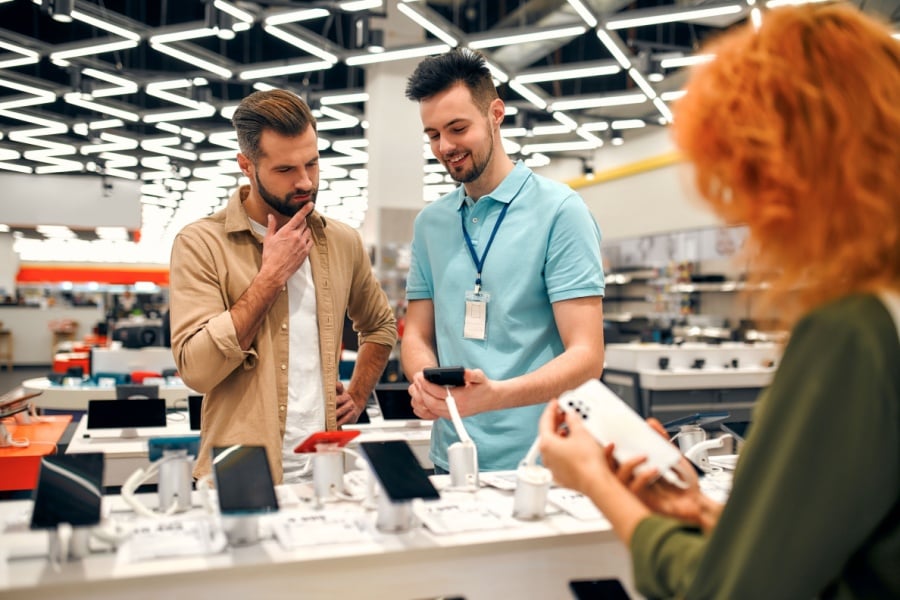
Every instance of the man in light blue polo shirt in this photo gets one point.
(506, 277)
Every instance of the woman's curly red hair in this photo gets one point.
(794, 129)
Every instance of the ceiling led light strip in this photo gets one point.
(295, 16)
(524, 38)
(550, 130)
(528, 94)
(246, 19)
(686, 61)
(94, 49)
(39, 96)
(7, 154)
(428, 25)
(193, 60)
(341, 120)
(598, 102)
(163, 146)
(114, 143)
(357, 5)
(196, 109)
(628, 124)
(583, 12)
(566, 120)
(122, 86)
(642, 83)
(558, 147)
(105, 26)
(344, 98)
(79, 99)
(113, 162)
(496, 71)
(304, 45)
(28, 57)
(414, 52)
(558, 74)
(183, 35)
(278, 71)
(589, 137)
(670, 17)
(663, 110)
(226, 139)
(213, 176)
(613, 47)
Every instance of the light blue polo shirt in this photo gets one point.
(547, 249)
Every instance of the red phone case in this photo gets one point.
(340, 437)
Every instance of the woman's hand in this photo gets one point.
(569, 450)
(660, 496)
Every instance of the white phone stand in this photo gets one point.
(699, 452)
(328, 471)
(532, 485)
(175, 481)
(463, 459)
(68, 543)
(462, 456)
(393, 517)
(241, 530)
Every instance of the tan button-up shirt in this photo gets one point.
(213, 262)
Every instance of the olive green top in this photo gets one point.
(815, 505)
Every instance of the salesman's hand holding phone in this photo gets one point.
(471, 390)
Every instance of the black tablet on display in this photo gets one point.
(243, 480)
(394, 401)
(69, 490)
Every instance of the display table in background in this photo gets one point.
(75, 397)
(669, 381)
(19, 466)
(123, 456)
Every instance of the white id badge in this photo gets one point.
(475, 327)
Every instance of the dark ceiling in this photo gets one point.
(71, 103)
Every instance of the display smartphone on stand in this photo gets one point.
(399, 472)
(339, 439)
(195, 404)
(703, 419)
(69, 494)
(446, 376)
(598, 589)
(245, 490)
(243, 480)
(738, 429)
(327, 460)
(69, 490)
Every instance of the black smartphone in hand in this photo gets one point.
(448, 376)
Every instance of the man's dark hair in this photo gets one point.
(279, 110)
(460, 65)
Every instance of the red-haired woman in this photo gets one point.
(793, 129)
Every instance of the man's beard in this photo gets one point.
(283, 205)
(477, 167)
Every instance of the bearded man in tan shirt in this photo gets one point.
(258, 294)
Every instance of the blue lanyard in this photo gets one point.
(480, 263)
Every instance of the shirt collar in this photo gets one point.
(508, 189)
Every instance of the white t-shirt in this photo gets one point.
(306, 397)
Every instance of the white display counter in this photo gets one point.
(533, 559)
(75, 397)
